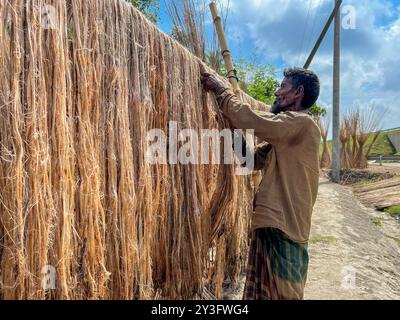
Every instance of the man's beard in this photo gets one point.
(276, 108)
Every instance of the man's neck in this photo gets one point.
(295, 107)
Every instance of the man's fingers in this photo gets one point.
(210, 82)
(206, 79)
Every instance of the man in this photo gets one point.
(278, 258)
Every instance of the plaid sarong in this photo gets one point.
(277, 267)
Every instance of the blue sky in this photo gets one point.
(282, 33)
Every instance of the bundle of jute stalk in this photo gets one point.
(83, 214)
(326, 158)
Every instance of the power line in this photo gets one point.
(309, 43)
(323, 33)
(304, 32)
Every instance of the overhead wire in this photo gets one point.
(304, 32)
(309, 42)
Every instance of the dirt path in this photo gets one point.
(354, 251)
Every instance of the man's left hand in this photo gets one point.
(212, 83)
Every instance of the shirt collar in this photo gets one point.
(306, 111)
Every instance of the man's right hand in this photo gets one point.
(212, 83)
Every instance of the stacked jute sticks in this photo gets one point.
(359, 130)
(83, 214)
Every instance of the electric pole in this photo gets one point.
(336, 100)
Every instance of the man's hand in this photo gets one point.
(211, 83)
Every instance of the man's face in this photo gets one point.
(286, 96)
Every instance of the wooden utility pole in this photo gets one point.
(336, 100)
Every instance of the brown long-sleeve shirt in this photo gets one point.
(289, 187)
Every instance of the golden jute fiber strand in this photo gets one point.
(77, 193)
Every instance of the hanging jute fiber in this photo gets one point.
(83, 214)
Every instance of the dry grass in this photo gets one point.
(369, 125)
(76, 191)
(345, 135)
(188, 28)
(326, 157)
(188, 21)
(357, 127)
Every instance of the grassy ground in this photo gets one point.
(393, 211)
(382, 146)
(323, 239)
(377, 221)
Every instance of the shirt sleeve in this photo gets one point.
(275, 129)
(259, 154)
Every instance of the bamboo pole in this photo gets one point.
(226, 54)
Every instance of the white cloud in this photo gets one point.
(370, 54)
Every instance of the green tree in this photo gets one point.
(151, 8)
(318, 111)
(259, 81)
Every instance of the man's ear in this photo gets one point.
(300, 91)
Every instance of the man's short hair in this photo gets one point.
(309, 80)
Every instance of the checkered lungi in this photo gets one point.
(277, 267)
